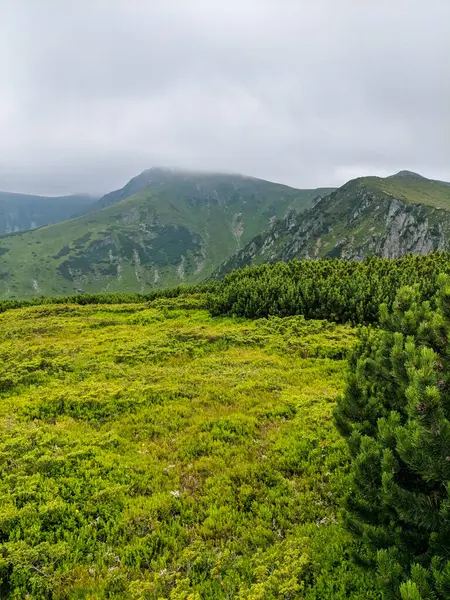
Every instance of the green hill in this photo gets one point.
(386, 217)
(175, 227)
(21, 212)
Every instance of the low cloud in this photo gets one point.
(308, 94)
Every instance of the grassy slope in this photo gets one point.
(151, 452)
(412, 188)
(92, 247)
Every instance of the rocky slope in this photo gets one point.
(21, 212)
(388, 217)
(163, 228)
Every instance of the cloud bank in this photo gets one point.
(301, 92)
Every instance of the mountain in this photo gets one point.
(389, 217)
(156, 176)
(21, 212)
(163, 228)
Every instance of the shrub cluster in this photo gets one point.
(344, 291)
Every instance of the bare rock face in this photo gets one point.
(409, 231)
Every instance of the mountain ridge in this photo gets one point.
(366, 216)
(170, 226)
(23, 212)
(176, 229)
(162, 175)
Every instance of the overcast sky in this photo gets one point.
(305, 92)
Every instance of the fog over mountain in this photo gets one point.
(307, 94)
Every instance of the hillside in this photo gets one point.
(176, 227)
(21, 212)
(150, 451)
(156, 447)
(386, 217)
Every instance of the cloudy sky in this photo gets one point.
(303, 92)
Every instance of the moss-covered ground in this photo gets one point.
(151, 451)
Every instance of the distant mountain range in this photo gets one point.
(165, 227)
(21, 212)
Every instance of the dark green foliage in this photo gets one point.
(78, 264)
(337, 290)
(65, 250)
(168, 243)
(78, 243)
(395, 415)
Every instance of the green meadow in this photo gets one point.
(152, 451)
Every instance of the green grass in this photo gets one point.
(412, 188)
(150, 451)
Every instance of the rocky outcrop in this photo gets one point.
(353, 223)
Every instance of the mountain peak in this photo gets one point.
(407, 175)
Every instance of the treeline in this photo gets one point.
(344, 291)
(112, 298)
